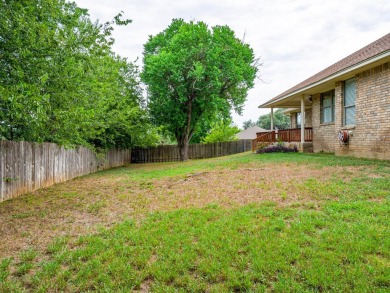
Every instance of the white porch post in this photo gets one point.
(303, 119)
(272, 119)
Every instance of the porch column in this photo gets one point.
(303, 119)
(272, 118)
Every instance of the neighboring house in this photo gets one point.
(345, 108)
(250, 133)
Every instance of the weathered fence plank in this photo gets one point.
(170, 153)
(28, 166)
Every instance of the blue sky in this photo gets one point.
(293, 39)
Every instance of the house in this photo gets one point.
(250, 133)
(343, 109)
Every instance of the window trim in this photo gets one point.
(349, 106)
(332, 107)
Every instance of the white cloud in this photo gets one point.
(295, 39)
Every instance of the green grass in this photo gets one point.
(338, 241)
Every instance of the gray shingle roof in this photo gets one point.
(375, 48)
(250, 133)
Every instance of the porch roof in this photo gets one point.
(371, 55)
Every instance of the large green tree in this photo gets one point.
(60, 81)
(194, 72)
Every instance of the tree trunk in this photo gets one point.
(184, 139)
(183, 147)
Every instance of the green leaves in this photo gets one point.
(194, 74)
(222, 131)
(60, 82)
(281, 120)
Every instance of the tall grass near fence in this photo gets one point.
(28, 166)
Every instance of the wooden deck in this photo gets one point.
(284, 135)
(294, 134)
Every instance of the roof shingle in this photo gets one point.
(375, 48)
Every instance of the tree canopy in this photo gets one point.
(281, 120)
(195, 73)
(248, 124)
(60, 81)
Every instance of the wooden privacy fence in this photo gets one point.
(28, 166)
(170, 153)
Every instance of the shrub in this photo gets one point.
(261, 145)
(277, 149)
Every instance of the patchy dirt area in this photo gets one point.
(86, 204)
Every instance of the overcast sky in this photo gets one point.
(294, 39)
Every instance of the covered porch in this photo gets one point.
(301, 136)
(284, 135)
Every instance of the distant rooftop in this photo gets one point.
(250, 133)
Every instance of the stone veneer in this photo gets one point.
(308, 118)
(370, 136)
(293, 120)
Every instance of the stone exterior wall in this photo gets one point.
(293, 122)
(370, 137)
(308, 117)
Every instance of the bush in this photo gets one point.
(277, 149)
(261, 145)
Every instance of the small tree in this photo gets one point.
(193, 73)
(222, 131)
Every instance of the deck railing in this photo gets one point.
(285, 135)
(267, 137)
(294, 134)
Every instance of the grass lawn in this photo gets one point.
(244, 223)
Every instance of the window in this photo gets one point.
(327, 107)
(299, 120)
(349, 102)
